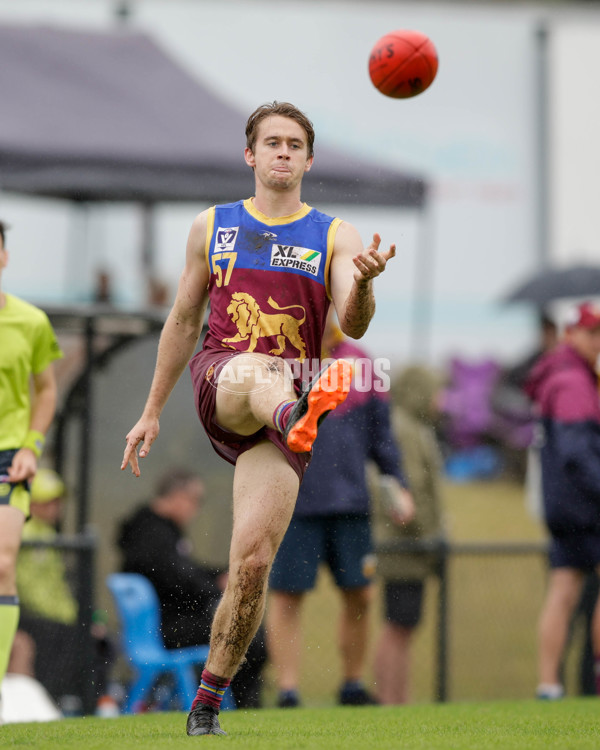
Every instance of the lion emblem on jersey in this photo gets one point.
(253, 323)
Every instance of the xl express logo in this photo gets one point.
(300, 258)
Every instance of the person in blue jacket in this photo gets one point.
(331, 524)
(564, 387)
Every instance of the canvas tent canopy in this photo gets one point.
(109, 116)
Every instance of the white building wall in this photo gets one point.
(575, 128)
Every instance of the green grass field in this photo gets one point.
(523, 725)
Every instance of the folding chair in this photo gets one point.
(139, 613)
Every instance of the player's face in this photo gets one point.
(280, 157)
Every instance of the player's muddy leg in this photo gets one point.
(265, 489)
(264, 493)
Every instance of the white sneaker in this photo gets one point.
(24, 699)
(549, 692)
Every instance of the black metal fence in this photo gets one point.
(478, 638)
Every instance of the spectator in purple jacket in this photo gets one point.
(564, 386)
(331, 525)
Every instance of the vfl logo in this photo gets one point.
(253, 324)
(298, 258)
(226, 238)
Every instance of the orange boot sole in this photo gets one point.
(328, 392)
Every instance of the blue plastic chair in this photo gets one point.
(139, 612)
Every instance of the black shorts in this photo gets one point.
(15, 495)
(579, 551)
(404, 602)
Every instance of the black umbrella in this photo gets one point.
(555, 283)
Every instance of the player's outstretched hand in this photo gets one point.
(371, 262)
(145, 430)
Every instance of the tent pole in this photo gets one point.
(422, 315)
(148, 251)
(77, 252)
(86, 427)
(543, 142)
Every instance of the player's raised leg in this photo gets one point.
(257, 390)
(250, 388)
(264, 492)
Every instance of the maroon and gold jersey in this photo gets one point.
(269, 280)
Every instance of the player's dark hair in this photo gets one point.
(3, 229)
(284, 109)
(175, 479)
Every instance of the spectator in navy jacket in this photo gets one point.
(564, 385)
(331, 525)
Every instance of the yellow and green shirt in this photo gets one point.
(27, 346)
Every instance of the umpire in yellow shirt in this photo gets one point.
(28, 348)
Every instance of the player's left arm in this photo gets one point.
(353, 269)
(43, 406)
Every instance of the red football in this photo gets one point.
(403, 63)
